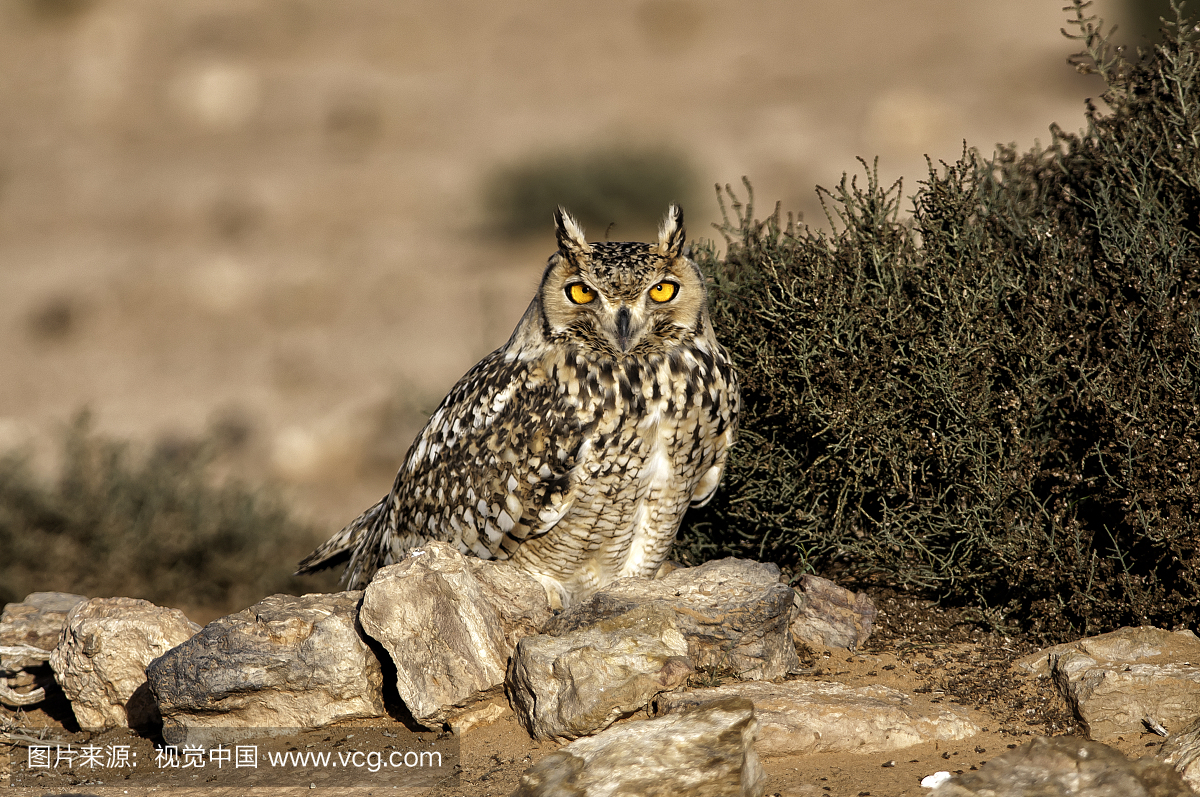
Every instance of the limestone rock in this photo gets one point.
(830, 615)
(286, 662)
(1111, 699)
(100, 661)
(1066, 766)
(804, 717)
(35, 623)
(1181, 750)
(1145, 644)
(484, 714)
(705, 752)
(29, 631)
(1119, 682)
(518, 599)
(573, 685)
(446, 640)
(734, 614)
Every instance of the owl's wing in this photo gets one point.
(491, 468)
(345, 543)
(722, 401)
(493, 465)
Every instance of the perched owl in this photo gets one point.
(573, 450)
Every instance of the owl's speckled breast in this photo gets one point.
(636, 479)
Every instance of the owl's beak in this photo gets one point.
(623, 328)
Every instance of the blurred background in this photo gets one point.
(290, 225)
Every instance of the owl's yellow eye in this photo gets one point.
(580, 293)
(663, 291)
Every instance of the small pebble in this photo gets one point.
(935, 780)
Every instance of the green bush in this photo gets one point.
(616, 185)
(154, 527)
(997, 400)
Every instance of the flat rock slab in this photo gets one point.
(833, 616)
(734, 613)
(1114, 699)
(444, 636)
(1181, 751)
(29, 631)
(1142, 644)
(803, 717)
(100, 661)
(576, 684)
(286, 662)
(1066, 766)
(1119, 682)
(707, 751)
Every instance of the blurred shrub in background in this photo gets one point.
(157, 527)
(998, 400)
(617, 185)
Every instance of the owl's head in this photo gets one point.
(622, 299)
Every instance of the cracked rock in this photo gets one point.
(804, 717)
(734, 614)
(707, 751)
(447, 641)
(1066, 766)
(286, 662)
(101, 659)
(580, 682)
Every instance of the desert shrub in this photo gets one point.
(157, 526)
(997, 399)
(618, 185)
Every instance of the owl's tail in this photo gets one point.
(343, 545)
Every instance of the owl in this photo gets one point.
(574, 449)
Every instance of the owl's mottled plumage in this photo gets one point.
(574, 449)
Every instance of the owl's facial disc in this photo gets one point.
(618, 298)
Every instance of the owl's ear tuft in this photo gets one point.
(671, 234)
(570, 235)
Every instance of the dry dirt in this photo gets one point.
(933, 654)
